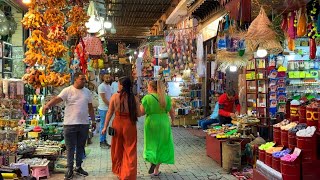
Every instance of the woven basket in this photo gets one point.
(261, 35)
(226, 58)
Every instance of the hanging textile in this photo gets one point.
(200, 50)
(93, 45)
(240, 10)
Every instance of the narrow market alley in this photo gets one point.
(190, 155)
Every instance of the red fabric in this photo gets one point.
(239, 10)
(93, 45)
(124, 147)
(227, 105)
(81, 50)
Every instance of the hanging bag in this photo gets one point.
(100, 63)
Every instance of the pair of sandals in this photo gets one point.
(151, 170)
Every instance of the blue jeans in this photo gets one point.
(75, 137)
(102, 113)
(204, 123)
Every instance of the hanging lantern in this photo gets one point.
(93, 24)
(4, 28)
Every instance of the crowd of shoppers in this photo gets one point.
(125, 107)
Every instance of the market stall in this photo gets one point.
(33, 141)
(278, 62)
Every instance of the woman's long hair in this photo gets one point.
(159, 87)
(127, 92)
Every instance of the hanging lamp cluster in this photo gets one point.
(98, 24)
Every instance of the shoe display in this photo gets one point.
(69, 174)
(81, 172)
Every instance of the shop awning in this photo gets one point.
(204, 9)
(178, 13)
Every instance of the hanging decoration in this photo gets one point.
(181, 50)
(313, 12)
(261, 35)
(279, 26)
(302, 23)
(231, 45)
(78, 17)
(46, 45)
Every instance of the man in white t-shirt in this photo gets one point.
(105, 92)
(78, 104)
(114, 85)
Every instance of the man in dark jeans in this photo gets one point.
(213, 118)
(78, 104)
(226, 106)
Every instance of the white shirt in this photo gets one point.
(114, 86)
(76, 105)
(107, 90)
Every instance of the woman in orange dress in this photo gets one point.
(124, 140)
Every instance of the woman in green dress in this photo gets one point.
(158, 139)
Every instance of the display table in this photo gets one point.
(214, 148)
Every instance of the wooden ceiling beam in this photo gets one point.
(139, 11)
(137, 3)
(132, 25)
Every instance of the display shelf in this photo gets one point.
(6, 61)
(256, 88)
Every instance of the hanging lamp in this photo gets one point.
(93, 24)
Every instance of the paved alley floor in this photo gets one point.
(190, 157)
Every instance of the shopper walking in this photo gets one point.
(158, 139)
(78, 104)
(124, 139)
(105, 92)
(227, 103)
(114, 85)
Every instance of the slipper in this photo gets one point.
(152, 167)
(156, 174)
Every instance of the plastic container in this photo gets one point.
(312, 116)
(308, 145)
(290, 170)
(284, 138)
(268, 159)
(303, 114)
(276, 164)
(294, 113)
(262, 155)
(292, 141)
(277, 135)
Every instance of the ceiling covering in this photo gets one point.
(277, 6)
(132, 18)
(204, 9)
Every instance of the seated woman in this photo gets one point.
(213, 118)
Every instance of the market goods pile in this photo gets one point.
(222, 132)
(46, 45)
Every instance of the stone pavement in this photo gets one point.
(190, 157)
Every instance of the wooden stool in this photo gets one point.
(40, 171)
